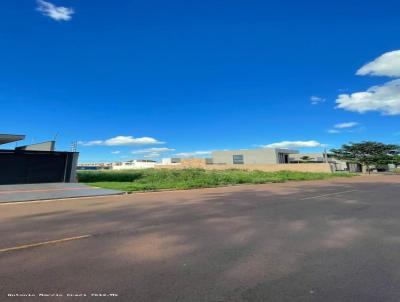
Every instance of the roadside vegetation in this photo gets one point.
(153, 179)
(369, 154)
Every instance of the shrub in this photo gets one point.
(152, 179)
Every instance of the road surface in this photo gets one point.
(335, 240)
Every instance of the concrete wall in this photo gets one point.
(186, 163)
(194, 162)
(45, 146)
(267, 156)
(71, 167)
(309, 167)
(320, 167)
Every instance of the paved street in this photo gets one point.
(335, 240)
(43, 191)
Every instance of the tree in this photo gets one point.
(367, 153)
(396, 159)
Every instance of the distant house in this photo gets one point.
(36, 163)
(134, 164)
(171, 160)
(308, 157)
(336, 164)
(255, 156)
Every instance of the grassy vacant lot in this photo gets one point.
(150, 179)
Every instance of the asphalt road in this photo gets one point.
(28, 192)
(336, 240)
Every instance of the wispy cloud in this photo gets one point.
(315, 100)
(295, 144)
(345, 125)
(381, 98)
(122, 141)
(116, 152)
(153, 150)
(58, 13)
(193, 154)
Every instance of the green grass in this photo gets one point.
(151, 179)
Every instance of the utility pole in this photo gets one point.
(74, 146)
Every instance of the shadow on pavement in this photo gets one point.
(255, 243)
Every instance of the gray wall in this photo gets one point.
(21, 166)
(71, 167)
(45, 146)
(256, 156)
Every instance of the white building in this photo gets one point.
(169, 161)
(134, 164)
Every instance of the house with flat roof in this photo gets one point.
(37, 163)
(254, 156)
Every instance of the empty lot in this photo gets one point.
(334, 240)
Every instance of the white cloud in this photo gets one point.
(381, 98)
(152, 150)
(315, 100)
(129, 140)
(123, 141)
(58, 13)
(384, 99)
(90, 143)
(295, 144)
(116, 152)
(193, 154)
(387, 64)
(345, 125)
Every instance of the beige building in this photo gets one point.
(255, 156)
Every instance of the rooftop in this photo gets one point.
(9, 138)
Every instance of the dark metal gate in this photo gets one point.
(22, 167)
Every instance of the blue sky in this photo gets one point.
(188, 77)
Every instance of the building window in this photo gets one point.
(238, 159)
